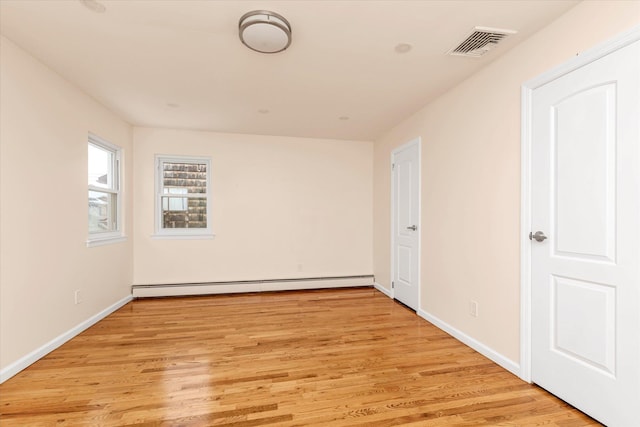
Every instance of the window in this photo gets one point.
(183, 201)
(104, 192)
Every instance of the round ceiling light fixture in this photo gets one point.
(265, 31)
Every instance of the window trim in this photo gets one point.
(108, 237)
(180, 233)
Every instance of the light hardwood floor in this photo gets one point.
(344, 357)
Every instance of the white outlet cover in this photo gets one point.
(473, 308)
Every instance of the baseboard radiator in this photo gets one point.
(267, 285)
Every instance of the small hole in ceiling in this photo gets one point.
(402, 48)
(94, 6)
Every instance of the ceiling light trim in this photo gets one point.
(255, 29)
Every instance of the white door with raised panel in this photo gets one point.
(405, 227)
(585, 254)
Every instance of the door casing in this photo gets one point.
(584, 58)
(416, 141)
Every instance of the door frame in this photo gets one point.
(418, 142)
(528, 87)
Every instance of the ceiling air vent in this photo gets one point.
(480, 41)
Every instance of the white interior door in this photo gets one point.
(406, 215)
(585, 276)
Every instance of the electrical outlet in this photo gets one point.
(77, 296)
(473, 308)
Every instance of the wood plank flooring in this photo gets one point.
(342, 357)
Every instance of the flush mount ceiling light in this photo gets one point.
(265, 31)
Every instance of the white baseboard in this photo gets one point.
(387, 292)
(145, 291)
(487, 352)
(39, 353)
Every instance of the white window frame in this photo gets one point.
(117, 235)
(181, 233)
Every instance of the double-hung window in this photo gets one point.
(183, 197)
(104, 192)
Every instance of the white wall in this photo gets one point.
(471, 179)
(44, 123)
(282, 208)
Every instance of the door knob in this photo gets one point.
(413, 227)
(538, 236)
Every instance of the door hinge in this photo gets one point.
(393, 166)
(393, 285)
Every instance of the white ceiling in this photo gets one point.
(180, 64)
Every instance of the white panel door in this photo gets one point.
(406, 214)
(585, 276)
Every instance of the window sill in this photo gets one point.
(209, 236)
(100, 241)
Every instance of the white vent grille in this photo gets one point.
(480, 41)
